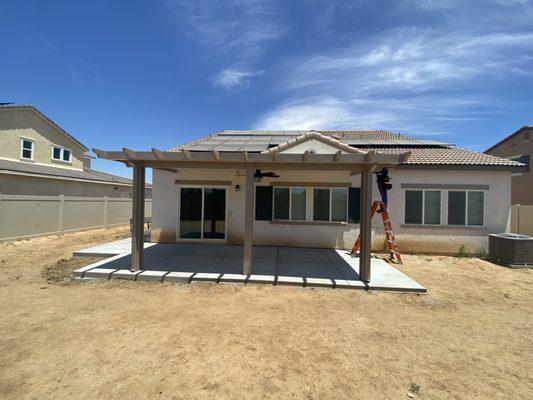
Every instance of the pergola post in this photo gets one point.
(248, 221)
(137, 233)
(365, 224)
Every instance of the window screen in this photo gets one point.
(456, 208)
(321, 204)
(413, 206)
(475, 208)
(432, 207)
(281, 203)
(263, 203)
(339, 200)
(298, 204)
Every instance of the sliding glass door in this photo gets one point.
(202, 213)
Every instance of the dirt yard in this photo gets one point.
(471, 336)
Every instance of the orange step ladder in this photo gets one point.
(392, 247)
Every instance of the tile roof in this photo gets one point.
(88, 175)
(423, 152)
(450, 155)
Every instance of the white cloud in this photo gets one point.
(235, 30)
(404, 79)
(230, 78)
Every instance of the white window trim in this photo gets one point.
(330, 202)
(22, 139)
(290, 203)
(466, 208)
(60, 159)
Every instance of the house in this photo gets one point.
(315, 189)
(518, 146)
(38, 157)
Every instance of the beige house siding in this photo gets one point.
(25, 123)
(522, 184)
(42, 186)
(326, 235)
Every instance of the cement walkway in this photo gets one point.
(188, 262)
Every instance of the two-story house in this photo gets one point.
(518, 147)
(38, 157)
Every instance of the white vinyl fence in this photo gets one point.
(28, 216)
(522, 219)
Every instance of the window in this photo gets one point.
(289, 203)
(66, 155)
(26, 148)
(432, 207)
(330, 204)
(321, 204)
(422, 207)
(61, 154)
(413, 206)
(298, 203)
(339, 204)
(466, 208)
(263, 203)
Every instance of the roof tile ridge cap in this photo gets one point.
(191, 142)
(335, 142)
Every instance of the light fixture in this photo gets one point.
(237, 188)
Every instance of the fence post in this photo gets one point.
(61, 212)
(518, 218)
(1, 217)
(106, 204)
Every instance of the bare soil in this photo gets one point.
(471, 336)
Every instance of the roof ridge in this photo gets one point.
(43, 116)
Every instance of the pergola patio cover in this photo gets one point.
(343, 158)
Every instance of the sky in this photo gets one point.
(143, 74)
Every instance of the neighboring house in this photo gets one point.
(443, 197)
(518, 147)
(37, 157)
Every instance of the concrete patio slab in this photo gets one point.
(190, 262)
(122, 246)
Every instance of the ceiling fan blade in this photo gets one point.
(270, 174)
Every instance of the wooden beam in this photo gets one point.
(245, 156)
(216, 155)
(337, 156)
(365, 225)
(157, 153)
(137, 233)
(248, 221)
(129, 153)
(186, 153)
(306, 156)
(369, 156)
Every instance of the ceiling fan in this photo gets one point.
(258, 175)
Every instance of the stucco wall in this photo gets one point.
(413, 239)
(449, 239)
(15, 124)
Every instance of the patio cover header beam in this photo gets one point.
(154, 157)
